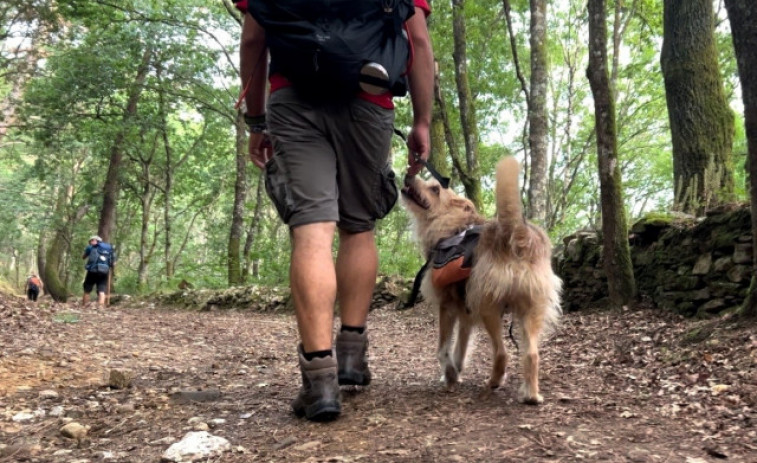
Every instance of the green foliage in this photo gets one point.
(179, 147)
(66, 317)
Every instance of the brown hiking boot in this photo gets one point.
(318, 399)
(351, 351)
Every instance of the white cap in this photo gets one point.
(95, 237)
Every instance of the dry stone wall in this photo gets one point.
(696, 267)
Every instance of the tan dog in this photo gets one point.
(512, 272)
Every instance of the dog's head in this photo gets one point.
(438, 212)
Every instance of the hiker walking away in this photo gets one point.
(100, 261)
(33, 287)
(330, 121)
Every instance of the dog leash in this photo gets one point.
(443, 181)
(512, 338)
(414, 293)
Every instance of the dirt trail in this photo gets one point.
(636, 386)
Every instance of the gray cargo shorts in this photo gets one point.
(331, 161)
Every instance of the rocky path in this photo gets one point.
(637, 386)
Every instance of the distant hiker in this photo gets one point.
(100, 259)
(33, 287)
(324, 143)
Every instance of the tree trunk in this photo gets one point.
(743, 17)
(112, 183)
(616, 253)
(167, 223)
(41, 258)
(701, 123)
(240, 194)
(471, 180)
(251, 266)
(145, 248)
(56, 250)
(538, 134)
(441, 115)
(438, 157)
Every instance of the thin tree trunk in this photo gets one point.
(112, 183)
(538, 135)
(56, 250)
(251, 264)
(145, 248)
(440, 112)
(438, 157)
(41, 256)
(701, 123)
(616, 251)
(187, 234)
(743, 18)
(234, 257)
(471, 180)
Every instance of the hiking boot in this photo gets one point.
(351, 351)
(318, 399)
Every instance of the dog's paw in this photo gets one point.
(533, 400)
(451, 387)
(496, 383)
(451, 376)
(528, 397)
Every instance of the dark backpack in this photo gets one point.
(100, 258)
(326, 48)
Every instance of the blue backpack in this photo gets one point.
(100, 259)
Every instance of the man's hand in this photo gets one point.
(419, 146)
(260, 149)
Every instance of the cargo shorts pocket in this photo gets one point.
(278, 190)
(387, 194)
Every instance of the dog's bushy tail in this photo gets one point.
(509, 206)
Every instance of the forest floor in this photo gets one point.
(640, 386)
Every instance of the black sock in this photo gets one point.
(317, 354)
(356, 329)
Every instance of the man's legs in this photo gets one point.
(85, 299)
(313, 282)
(356, 270)
(100, 299)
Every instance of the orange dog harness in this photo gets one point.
(452, 258)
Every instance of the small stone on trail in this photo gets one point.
(27, 416)
(198, 424)
(48, 394)
(120, 378)
(197, 445)
(74, 430)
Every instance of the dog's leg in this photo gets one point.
(492, 321)
(531, 326)
(464, 328)
(447, 319)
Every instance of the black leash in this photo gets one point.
(410, 303)
(512, 338)
(443, 181)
